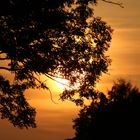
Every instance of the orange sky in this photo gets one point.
(55, 120)
(125, 48)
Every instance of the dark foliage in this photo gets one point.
(13, 105)
(115, 117)
(49, 37)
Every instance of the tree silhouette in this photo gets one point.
(113, 117)
(13, 105)
(55, 38)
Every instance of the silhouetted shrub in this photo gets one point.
(117, 117)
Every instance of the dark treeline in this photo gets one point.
(114, 117)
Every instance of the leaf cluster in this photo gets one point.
(13, 105)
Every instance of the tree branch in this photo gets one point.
(51, 77)
(60, 77)
(9, 69)
(51, 96)
(5, 68)
(3, 58)
(116, 3)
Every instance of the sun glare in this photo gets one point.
(61, 83)
(58, 85)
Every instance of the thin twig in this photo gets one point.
(47, 75)
(1, 58)
(5, 68)
(47, 89)
(52, 97)
(116, 3)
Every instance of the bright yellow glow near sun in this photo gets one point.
(61, 83)
(57, 85)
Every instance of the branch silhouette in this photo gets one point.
(112, 2)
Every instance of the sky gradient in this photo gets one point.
(55, 120)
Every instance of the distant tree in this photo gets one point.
(55, 38)
(115, 117)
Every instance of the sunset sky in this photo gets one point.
(55, 120)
